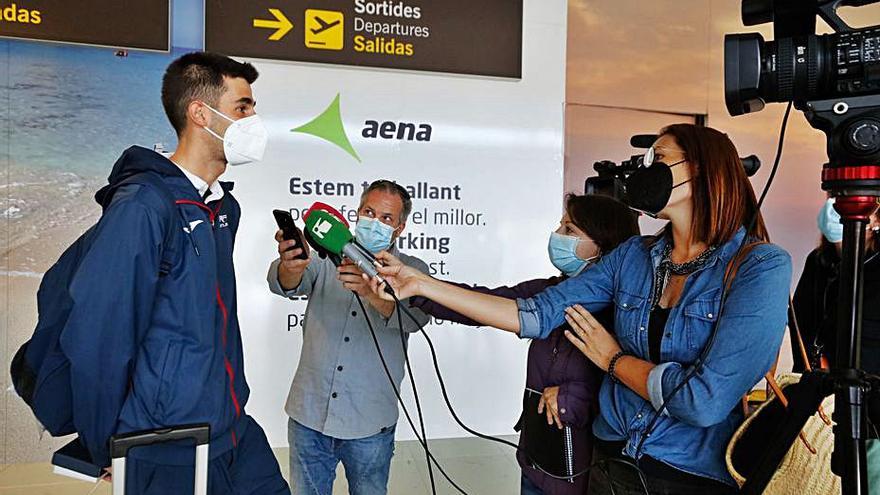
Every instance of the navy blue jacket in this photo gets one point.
(149, 350)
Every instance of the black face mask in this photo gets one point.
(648, 189)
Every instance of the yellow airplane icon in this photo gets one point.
(325, 29)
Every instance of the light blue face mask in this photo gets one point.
(563, 254)
(373, 234)
(829, 222)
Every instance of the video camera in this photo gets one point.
(799, 65)
(610, 181)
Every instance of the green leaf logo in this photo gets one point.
(328, 126)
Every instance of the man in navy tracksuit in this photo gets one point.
(153, 337)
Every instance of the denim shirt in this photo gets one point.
(698, 422)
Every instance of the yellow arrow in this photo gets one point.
(282, 25)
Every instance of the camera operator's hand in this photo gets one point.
(291, 269)
(550, 405)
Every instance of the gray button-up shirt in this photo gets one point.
(340, 387)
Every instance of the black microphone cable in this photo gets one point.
(458, 420)
(406, 413)
(412, 381)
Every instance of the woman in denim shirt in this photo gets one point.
(666, 292)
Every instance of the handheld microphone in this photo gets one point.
(332, 234)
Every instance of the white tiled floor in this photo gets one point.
(477, 466)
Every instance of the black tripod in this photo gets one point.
(852, 176)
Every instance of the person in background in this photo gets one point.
(815, 308)
(567, 383)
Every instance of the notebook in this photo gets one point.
(547, 448)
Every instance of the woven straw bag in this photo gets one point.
(806, 468)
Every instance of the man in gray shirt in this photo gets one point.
(341, 405)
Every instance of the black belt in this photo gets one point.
(652, 468)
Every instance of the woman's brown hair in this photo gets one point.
(607, 221)
(723, 198)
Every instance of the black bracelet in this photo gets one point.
(613, 363)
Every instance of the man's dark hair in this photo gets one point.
(199, 76)
(393, 188)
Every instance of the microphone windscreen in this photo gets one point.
(329, 209)
(642, 140)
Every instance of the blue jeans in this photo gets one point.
(314, 457)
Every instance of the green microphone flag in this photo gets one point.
(328, 231)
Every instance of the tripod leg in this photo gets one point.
(849, 441)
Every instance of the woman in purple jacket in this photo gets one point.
(565, 380)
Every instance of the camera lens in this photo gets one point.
(799, 69)
(742, 73)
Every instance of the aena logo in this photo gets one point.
(329, 127)
(402, 131)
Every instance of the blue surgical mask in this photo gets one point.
(373, 234)
(563, 254)
(829, 222)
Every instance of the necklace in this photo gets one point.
(668, 267)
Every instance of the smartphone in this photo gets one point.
(290, 231)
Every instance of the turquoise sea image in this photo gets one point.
(71, 111)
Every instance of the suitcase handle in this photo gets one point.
(121, 444)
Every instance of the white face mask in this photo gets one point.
(245, 139)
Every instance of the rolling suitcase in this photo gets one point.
(121, 444)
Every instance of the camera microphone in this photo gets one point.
(643, 141)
